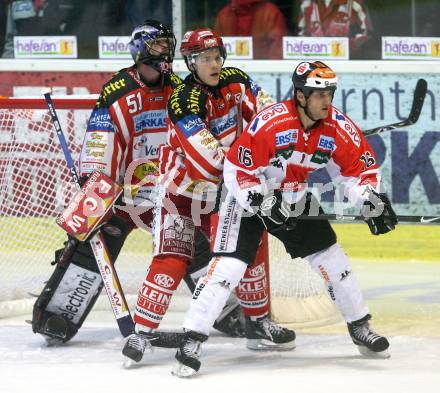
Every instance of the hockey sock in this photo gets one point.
(212, 292)
(334, 267)
(253, 291)
(155, 295)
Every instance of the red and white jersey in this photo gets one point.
(126, 129)
(274, 152)
(333, 18)
(203, 124)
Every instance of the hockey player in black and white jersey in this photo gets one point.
(71, 291)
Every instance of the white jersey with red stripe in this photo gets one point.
(126, 129)
(203, 124)
(274, 152)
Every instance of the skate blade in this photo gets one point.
(368, 353)
(52, 341)
(182, 371)
(129, 363)
(258, 344)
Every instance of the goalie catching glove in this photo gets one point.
(379, 214)
(273, 211)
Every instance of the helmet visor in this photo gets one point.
(206, 57)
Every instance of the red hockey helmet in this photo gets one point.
(309, 76)
(196, 41)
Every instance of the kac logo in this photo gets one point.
(164, 280)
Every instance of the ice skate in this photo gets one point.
(369, 343)
(135, 347)
(188, 355)
(264, 334)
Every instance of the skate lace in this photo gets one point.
(365, 333)
(192, 348)
(136, 341)
(271, 327)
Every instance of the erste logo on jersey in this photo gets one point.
(267, 114)
(326, 143)
(348, 127)
(150, 120)
(285, 138)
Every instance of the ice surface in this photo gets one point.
(404, 299)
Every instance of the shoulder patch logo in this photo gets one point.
(267, 114)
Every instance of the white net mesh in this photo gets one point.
(34, 187)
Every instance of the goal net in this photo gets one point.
(35, 185)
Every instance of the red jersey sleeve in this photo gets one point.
(246, 162)
(353, 165)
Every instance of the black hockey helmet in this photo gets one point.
(144, 37)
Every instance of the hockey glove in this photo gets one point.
(378, 213)
(273, 211)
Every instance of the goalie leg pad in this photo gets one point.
(334, 267)
(212, 292)
(74, 286)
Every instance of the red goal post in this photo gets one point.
(34, 187)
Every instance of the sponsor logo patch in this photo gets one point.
(100, 120)
(148, 145)
(178, 235)
(285, 152)
(74, 293)
(285, 138)
(266, 114)
(149, 120)
(164, 280)
(257, 271)
(326, 143)
(302, 68)
(190, 125)
(320, 157)
(347, 126)
(224, 123)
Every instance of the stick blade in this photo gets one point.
(126, 325)
(419, 98)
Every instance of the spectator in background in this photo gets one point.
(4, 7)
(336, 18)
(260, 19)
(139, 10)
(39, 17)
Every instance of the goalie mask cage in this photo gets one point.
(35, 185)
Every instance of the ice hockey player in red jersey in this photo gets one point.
(266, 173)
(336, 18)
(205, 117)
(123, 137)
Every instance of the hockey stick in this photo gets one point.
(416, 109)
(351, 217)
(108, 273)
